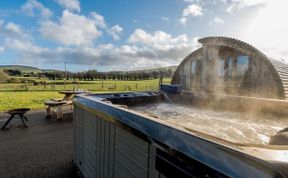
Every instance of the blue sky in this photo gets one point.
(130, 34)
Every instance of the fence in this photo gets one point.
(91, 86)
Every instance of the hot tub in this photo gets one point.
(140, 134)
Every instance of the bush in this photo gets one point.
(3, 77)
(13, 80)
(23, 80)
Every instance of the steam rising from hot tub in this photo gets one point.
(231, 126)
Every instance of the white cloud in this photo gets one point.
(144, 50)
(73, 5)
(71, 29)
(192, 10)
(163, 46)
(99, 20)
(13, 27)
(135, 20)
(165, 18)
(25, 46)
(192, 1)
(115, 32)
(216, 20)
(1, 49)
(12, 31)
(29, 53)
(267, 30)
(33, 5)
(241, 4)
(158, 39)
(183, 21)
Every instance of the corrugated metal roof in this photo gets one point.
(233, 40)
(282, 70)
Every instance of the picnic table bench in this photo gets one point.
(54, 104)
(57, 104)
(20, 112)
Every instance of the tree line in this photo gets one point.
(91, 75)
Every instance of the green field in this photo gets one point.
(33, 100)
(33, 96)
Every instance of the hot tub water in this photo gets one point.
(231, 126)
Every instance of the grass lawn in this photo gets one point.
(33, 100)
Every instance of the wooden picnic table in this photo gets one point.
(69, 94)
(58, 103)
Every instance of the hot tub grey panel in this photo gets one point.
(104, 150)
(94, 144)
(78, 137)
(131, 154)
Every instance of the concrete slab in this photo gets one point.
(44, 149)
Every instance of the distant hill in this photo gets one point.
(29, 69)
(22, 68)
(51, 70)
(173, 68)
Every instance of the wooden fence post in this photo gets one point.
(26, 85)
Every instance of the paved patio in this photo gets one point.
(44, 149)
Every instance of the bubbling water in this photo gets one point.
(231, 126)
